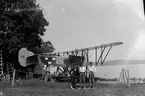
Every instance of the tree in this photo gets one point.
(22, 23)
(46, 47)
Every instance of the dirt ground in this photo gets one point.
(40, 88)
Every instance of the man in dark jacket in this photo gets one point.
(74, 77)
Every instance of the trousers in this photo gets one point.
(91, 79)
(82, 78)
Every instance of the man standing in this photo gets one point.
(44, 72)
(82, 70)
(91, 69)
(74, 77)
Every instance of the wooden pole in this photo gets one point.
(13, 79)
(125, 77)
(121, 76)
(126, 73)
(46, 77)
(128, 79)
(119, 80)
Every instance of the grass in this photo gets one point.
(38, 87)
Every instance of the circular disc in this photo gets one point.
(22, 56)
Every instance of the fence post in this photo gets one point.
(13, 79)
(128, 78)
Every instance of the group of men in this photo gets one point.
(80, 73)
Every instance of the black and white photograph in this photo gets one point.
(72, 48)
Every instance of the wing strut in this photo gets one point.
(100, 57)
(85, 52)
(106, 54)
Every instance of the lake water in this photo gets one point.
(112, 71)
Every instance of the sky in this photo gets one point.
(85, 23)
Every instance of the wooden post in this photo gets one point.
(121, 76)
(46, 77)
(13, 79)
(119, 80)
(128, 79)
(125, 77)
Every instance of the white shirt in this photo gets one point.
(92, 68)
(82, 69)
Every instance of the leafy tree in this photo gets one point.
(21, 25)
(46, 47)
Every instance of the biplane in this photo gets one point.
(65, 61)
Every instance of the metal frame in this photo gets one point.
(99, 59)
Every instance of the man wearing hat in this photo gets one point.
(44, 71)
